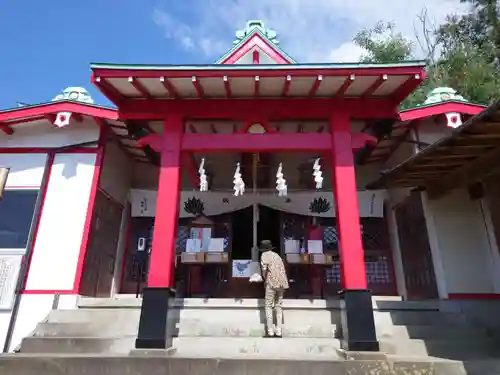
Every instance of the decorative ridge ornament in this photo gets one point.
(78, 94)
(239, 184)
(444, 94)
(203, 176)
(281, 182)
(317, 174)
(259, 25)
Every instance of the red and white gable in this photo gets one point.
(256, 45)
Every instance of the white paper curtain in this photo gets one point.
(371, 203)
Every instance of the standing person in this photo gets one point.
(275, 281)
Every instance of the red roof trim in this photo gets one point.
(438, 109)
(48, 108)
(282, 71)
(256, 40)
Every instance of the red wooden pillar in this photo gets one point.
(154, 332)
(358, 327)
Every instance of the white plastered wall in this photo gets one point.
(461, 238)
(57, 247)
(60, 231)
(43, 134)
(115, 181)
(26, 172)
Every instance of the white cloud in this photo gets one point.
(309, 30)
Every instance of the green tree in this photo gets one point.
(462, 52)
(383, 44)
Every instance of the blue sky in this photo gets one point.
(48, 45)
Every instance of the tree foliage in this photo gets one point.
(462, 53)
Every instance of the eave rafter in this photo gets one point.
(107, 89)
(286, 85)
(256, 87)
(198, 87)
(6, 128)
(139, 87)
(375, 86)
(315, 86)
(345, 86)
(227, 86)
(169, 87)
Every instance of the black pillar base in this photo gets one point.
(156, 322)
(358, 324)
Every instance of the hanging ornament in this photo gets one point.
(281, 182)
(317, 174)
(203, 176)
(453, 119)
(239, 184)
(62, 119)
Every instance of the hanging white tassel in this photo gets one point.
(239, 184)
(317, 174)
(281, 182)
(203, 176)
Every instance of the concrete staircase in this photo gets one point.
(227, 328)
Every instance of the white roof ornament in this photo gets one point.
(443, 94)
(78, 94)
(256, 24)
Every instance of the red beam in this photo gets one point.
(198, 87)
(315, 86)
(271, 109)
(439, 109)
(286, 86)
(255, 142)
(269, 142)
(107, 89)
(51, 117)
(408, 87)
(256, 87)
(33, 113)
(374, 86)
(139, 87)
(227, 87)
(191, 169)
(256, 57)
(259, 70)
(6, 129)
(77, 117)
(347, 83)
(169, 87)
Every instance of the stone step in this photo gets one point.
(185, 328)
(209, 316)
(224, 347)
(423, 332)
(448, 349)
(378, 302)
(292, 316)
(199, 327)
(420, 318)
(22, 364)
(120, 345)
(236, 347)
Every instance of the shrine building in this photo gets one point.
(169, 192)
